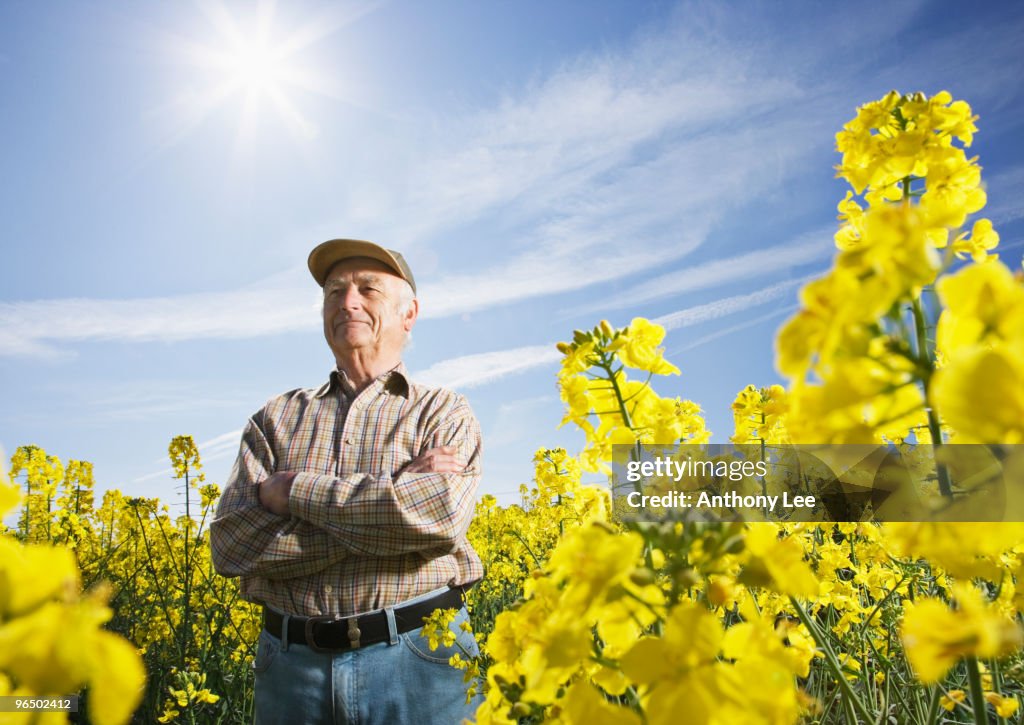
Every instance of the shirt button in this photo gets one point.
(328, 588)
(349, 441)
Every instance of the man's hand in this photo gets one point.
(436, 460)
(274, 492)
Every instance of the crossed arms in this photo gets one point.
(285, 524)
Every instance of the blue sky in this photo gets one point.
(542, 166)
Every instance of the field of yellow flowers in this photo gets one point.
(915, 334)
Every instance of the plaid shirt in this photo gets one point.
(361, 535)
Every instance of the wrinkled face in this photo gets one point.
(368, 310)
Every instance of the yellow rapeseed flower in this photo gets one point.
(980, 395)
(1005, 706)
(777, 563)
(640, 348)
(936, 637)
(984, 304)
(951, 699)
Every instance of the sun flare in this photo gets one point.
(250, 63)
(254, 66)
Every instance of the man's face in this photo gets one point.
(363, 314)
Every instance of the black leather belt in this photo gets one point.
(333, 633)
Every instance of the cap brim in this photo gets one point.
(326, 255)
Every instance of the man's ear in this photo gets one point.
(411, 314)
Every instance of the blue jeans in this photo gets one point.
(390, 683)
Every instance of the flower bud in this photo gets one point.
(642, 576)
(735, 527)
(718, 592)
(733, 545)
(606, 526)
(606, 328)
(687, 578)
(520, 709)
(564, 348)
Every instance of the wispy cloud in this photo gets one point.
(146, 402)
(615, 164)
(220, 446)
(273, 306)
(810, 247)
(470, 371)
(515, 420)
(225, 440)
(726, 306)
(13, 344)
(745, 325)
(162, 473)
(643, 149)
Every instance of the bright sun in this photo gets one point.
(254, 66)
(250, 63)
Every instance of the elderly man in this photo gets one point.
(346, 514)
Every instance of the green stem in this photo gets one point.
(606, 366)
(926, 356)
(529, 551)
(881, 603)
(927, 360)
(28, 504)
(978, 704)
(933, 705)
(851, 717)
(186, 628)
(833, 663)
(161, 598)
(764, 482)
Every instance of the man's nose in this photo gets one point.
(352, 299)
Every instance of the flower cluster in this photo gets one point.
(758, 414)
(857, 352)
(52, 642)
(188, 691)
(980, 340)
(188, 624)
(594, 384)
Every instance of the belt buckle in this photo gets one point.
(353, 631)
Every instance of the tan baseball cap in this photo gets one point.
(329, 253)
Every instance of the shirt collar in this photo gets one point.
(395, 381)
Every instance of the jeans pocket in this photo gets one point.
(465, 642)
(267, 646)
